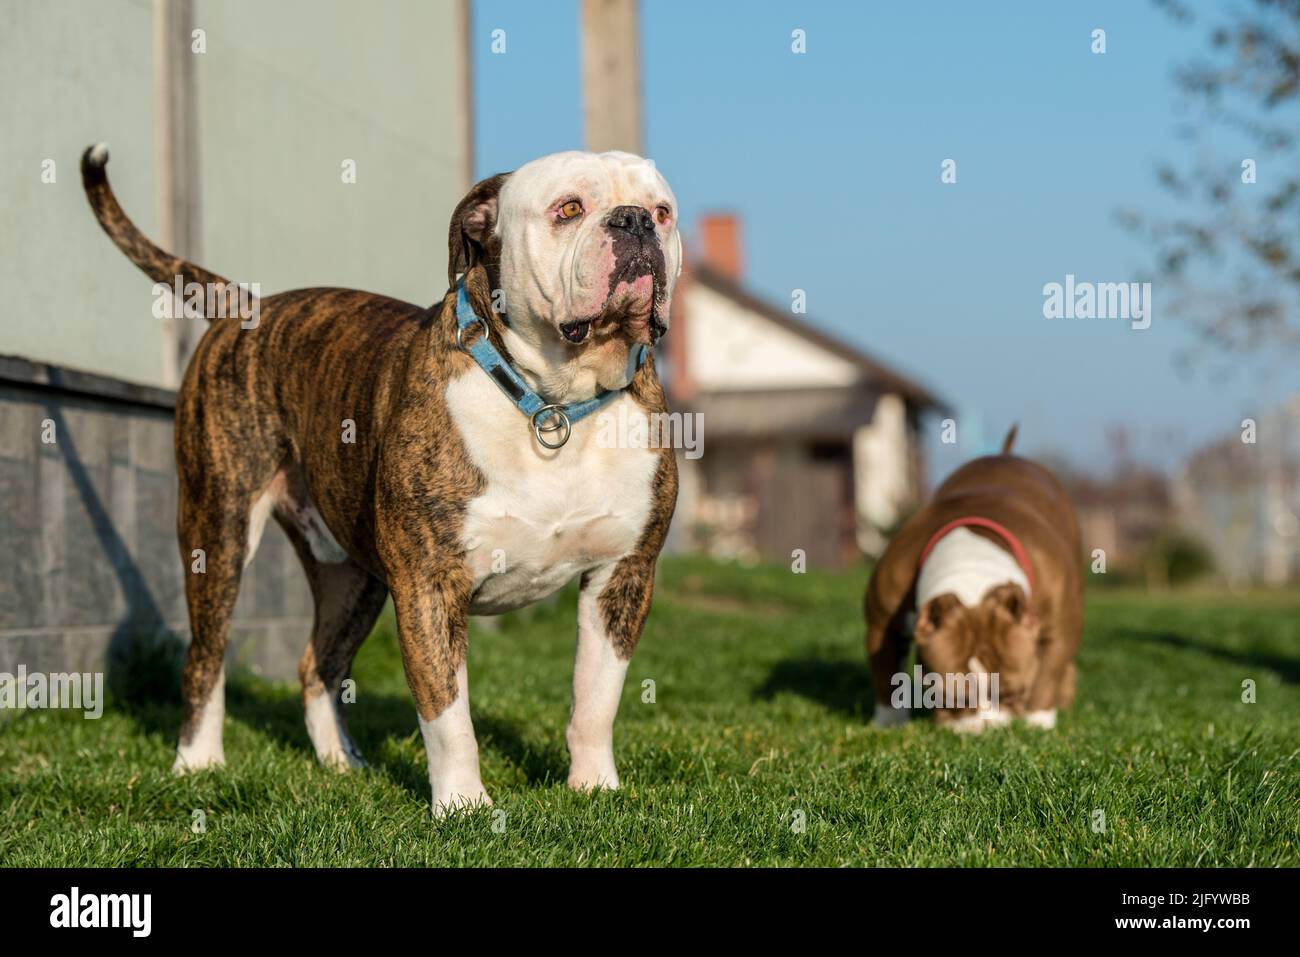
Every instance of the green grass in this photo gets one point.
(760, 716)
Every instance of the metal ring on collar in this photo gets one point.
(557, 421)
(461, 330)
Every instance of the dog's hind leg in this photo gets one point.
(213, 527)
(348, 600)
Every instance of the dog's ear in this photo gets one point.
(1013, 600)
(471, 227)
(933, 615)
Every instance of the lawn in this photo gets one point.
(756, 750)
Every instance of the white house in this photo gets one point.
(809, 443)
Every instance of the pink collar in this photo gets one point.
(1018, 550)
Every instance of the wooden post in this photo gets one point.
(176, 137)
(611, 75)
(465, 28)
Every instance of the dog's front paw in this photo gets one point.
(197, 759)
(591, 767)
(588, 781)
(452, 800)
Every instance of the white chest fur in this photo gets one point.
(546, 516)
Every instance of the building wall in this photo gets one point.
(884, 473)
(75, 74)
(774, 405)
(766, 499)
(730, 347)
(1243, 500)
(281, 95)
(89, 559)
(286, 92)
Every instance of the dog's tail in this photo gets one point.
(157, 264)
(1010, 440)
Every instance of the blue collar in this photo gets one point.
(546, 417)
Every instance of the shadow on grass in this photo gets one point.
(840, 686)
(1287, 668)
(540, 767)
(145, 681)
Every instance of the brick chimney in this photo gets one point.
(720, 244)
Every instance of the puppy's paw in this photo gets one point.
(1045, 719)
(979, 722)
(889, 717)
(966, 724)
(995, 718)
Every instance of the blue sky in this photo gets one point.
(833, 160)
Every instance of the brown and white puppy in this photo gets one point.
(951, 574)
(438, 491)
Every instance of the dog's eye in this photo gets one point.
(571, 210)
(663, 214)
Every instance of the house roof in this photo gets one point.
(815, 414)
(873, 370)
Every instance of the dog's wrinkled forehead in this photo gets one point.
(599, 180)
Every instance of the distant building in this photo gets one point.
(1121, 515)
(1243, 499)
(809, 443)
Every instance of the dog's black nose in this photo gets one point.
(635, 219)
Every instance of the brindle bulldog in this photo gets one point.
(401, 458)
